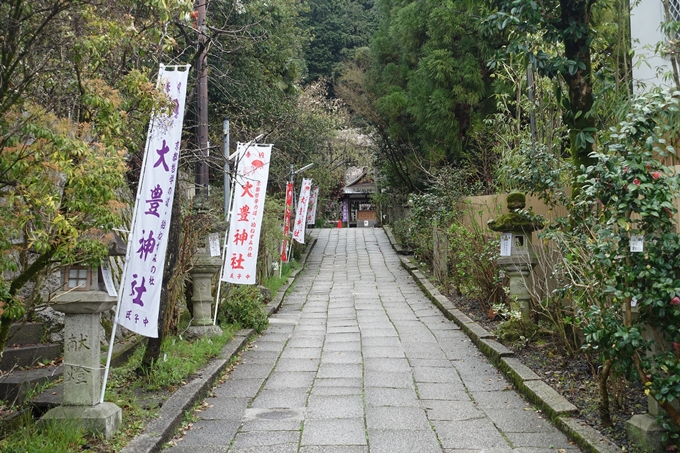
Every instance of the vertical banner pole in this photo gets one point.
(169, 127)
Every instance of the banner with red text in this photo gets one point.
(311, 209)
(142, 280)
(301, 211)
(286, 221)
(252, 174)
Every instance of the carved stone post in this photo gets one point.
(204, 269)
(82, 363)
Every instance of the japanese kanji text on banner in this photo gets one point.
(142, 280)
(252, 175)
(301, 213)
(311, 210)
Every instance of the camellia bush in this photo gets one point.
(628, 213)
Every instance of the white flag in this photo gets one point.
(246, 219)
(311, 210)
(301, 212)
(141, 283)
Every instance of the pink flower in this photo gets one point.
(676, 346)
(675, 300)
(656, 175)
(636, 182)
(625, 169)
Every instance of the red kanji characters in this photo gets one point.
(243, 213)
(246, 189)
(241, 237)
(237, 261)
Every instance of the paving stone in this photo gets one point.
(306, 342)
(499, 399)
(519, 421)
(547, 440)
(252, 439)
(452, 410)
(341, 357)
(297, 365)
(238, 388)
(338, 382)
(289, 379)
(341, 431)
(260, 357)
(399, 418)
(398, 365)
(271, 425)
(222, 408)
(251, 371)
(342, 346)
(382, 396)
(436, 375)
(386, 379)
(383, 351)
(340, 370)
(280, 398)
(338, 391)
(301, 353)
(469, 434)
(342, 338)
(336, 406)
(399, 441)
(278, 448)
(211, 432)
(181, 448)
(332, 449)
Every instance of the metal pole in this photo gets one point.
(227, 176)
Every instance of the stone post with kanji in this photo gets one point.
(83, 306)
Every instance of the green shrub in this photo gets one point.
(473, 265)
(244, 305)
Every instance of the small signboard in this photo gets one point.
(637, 244)
(506, 244)
(108, 279)
(214, 239)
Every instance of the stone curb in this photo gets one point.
(171, 414)
(524, 379)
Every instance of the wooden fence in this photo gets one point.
(477, 211)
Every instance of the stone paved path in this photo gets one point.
(358, 360)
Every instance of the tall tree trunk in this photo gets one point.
(153, 346)
(574, 23)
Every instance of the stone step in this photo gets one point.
(27, 333)
(16, 386)
(29, 355)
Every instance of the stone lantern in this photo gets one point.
(83, 300)
(517, 256)
(204, 268)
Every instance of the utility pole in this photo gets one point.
(202, 101)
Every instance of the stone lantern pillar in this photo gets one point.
(83, 302)
(517, 258)
(204, 268)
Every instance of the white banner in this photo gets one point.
(252, 175)
(301, 212)
(143, 277)
(311, 210)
